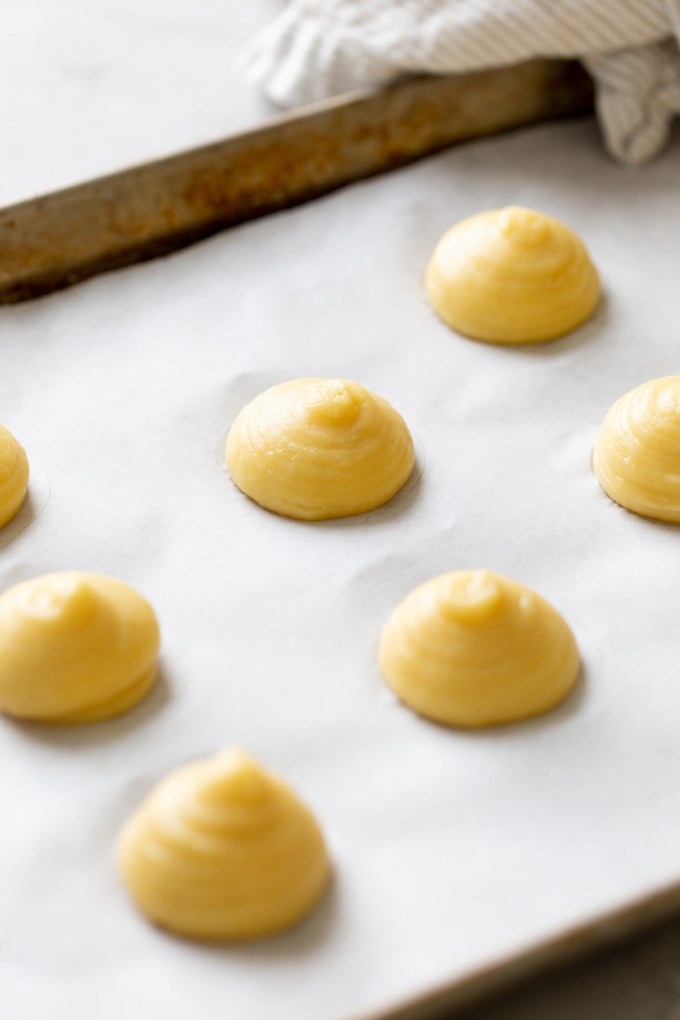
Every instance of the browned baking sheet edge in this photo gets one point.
(480, 985)
(61, 238)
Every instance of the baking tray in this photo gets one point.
(462, 861)
(61, 238)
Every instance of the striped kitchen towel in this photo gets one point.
(317, 48)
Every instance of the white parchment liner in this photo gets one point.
(451, 849)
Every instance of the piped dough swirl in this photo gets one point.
(319, 448)
(512, 276)
(223, 850)
(13, 476)
(75, 647)
(636, 457)
(472, 648)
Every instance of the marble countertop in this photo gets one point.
(92, 86)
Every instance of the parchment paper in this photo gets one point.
(451, 849)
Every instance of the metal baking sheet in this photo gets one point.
(58, 239)
(456, 854)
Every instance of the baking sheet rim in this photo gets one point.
(480, 984)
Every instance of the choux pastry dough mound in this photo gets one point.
(319, 448)
(512, 276)
(223, 850)
(13, 476)
(473, 648)
(75, 648)
(636, 457)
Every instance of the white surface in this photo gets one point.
(91, 86)
(451, 849)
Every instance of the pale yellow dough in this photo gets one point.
(512, 276)
(13, 476)
(636, 458)
(75, 648)
(473, 648)
(319, 448)
(223, 850)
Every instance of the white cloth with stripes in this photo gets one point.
(317, 48)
